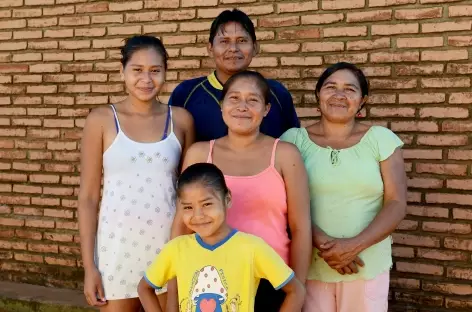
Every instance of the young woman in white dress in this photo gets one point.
(138, 143)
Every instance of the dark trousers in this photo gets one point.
(267, 298)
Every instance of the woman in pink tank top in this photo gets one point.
(267, 180)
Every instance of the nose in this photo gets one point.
(197, 213)
(146, 76)
(233, 46)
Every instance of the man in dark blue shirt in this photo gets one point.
(232, 45)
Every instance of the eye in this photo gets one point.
(207, 204)
(155, 71)
(224, 41)
(137, 69)
(350, 90)
(242, 40)
(187, 207)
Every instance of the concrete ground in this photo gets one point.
(16, 297)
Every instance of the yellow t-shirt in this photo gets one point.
(221, 277)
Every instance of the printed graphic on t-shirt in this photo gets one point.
(209, 293)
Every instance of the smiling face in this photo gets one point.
(144, 74)
(232, 48)
(340, 96)
(204, 210)
(244, 106)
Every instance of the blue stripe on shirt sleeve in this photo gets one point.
(286, 281)
(151, 284)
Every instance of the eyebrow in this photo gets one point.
(137, 65)
(347, 84)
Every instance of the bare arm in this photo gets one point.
(294, 296)
(298, 201)
(386, 221)
(148, 297)
(89, 196)
(186, 123)
(394, 207)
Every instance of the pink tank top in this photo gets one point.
(259, 205)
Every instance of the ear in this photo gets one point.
(363, 102)
(267, 109)
(228, 200)
(210, 49)
(256, 49)
(122, 74)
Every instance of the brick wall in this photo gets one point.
(59, 58)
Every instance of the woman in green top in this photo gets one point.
(358, 197)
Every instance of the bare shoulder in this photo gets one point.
(99, 116)
(182, 117)
(199, 151)
(287, 150)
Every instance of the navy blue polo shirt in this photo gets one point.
(201, 97)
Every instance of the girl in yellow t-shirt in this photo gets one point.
(217, 268)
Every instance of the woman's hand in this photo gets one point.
(93, 288)
(341, 254)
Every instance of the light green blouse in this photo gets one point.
(346, 191)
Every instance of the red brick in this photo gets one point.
(42, 178)
(178, 15)
(69, 250)
(58, 237)
(427, 183)
(381, 3)
(67, 225)
(394, 57)
(416, 14)
(60, 261)
(39, 2)
(458, 304)
(350, 58)
(42, 22)
(33, 155)
(26, 166)
(13, 46)
(12, 132)
(29, 234)
(142, 17)
(393, 84)
(19, 13)
(159, 28)
(41, 89)
(369, 16)
(305, 33)
(162, 4)
(438, 198)
(258, 9)
(445, 83)
(461, 98)
(29, 258)
(414, 70)
(59, 10)
(59, 191)
(126, 6)
(43, 248)
(29, 144)
(92, 7)
(42, 45)
(297, 7)
(447, 288)
(368, 44)
(49, 224)
(405, 283)
(460, 41)
(462, 69)
(89, 32)
(10, 221)
(419, 268)
(27, 79)
(357, 31)
(422, 154)
(386, 30)
(342, 4)
(450, 112)
(403, 252)
(414, 240)
(440, 56)
(420, 42)
(107, 43)
(443, 255)
(60, 33)
(11, 3)
(124, 30)
(407, 225)
(74, 45)
(446, 26)
(58, 57)
(279, 21)
(107, 19)
(444, 227)
(465, 214)
(422, 126)
(71, 180)
(12, 24)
